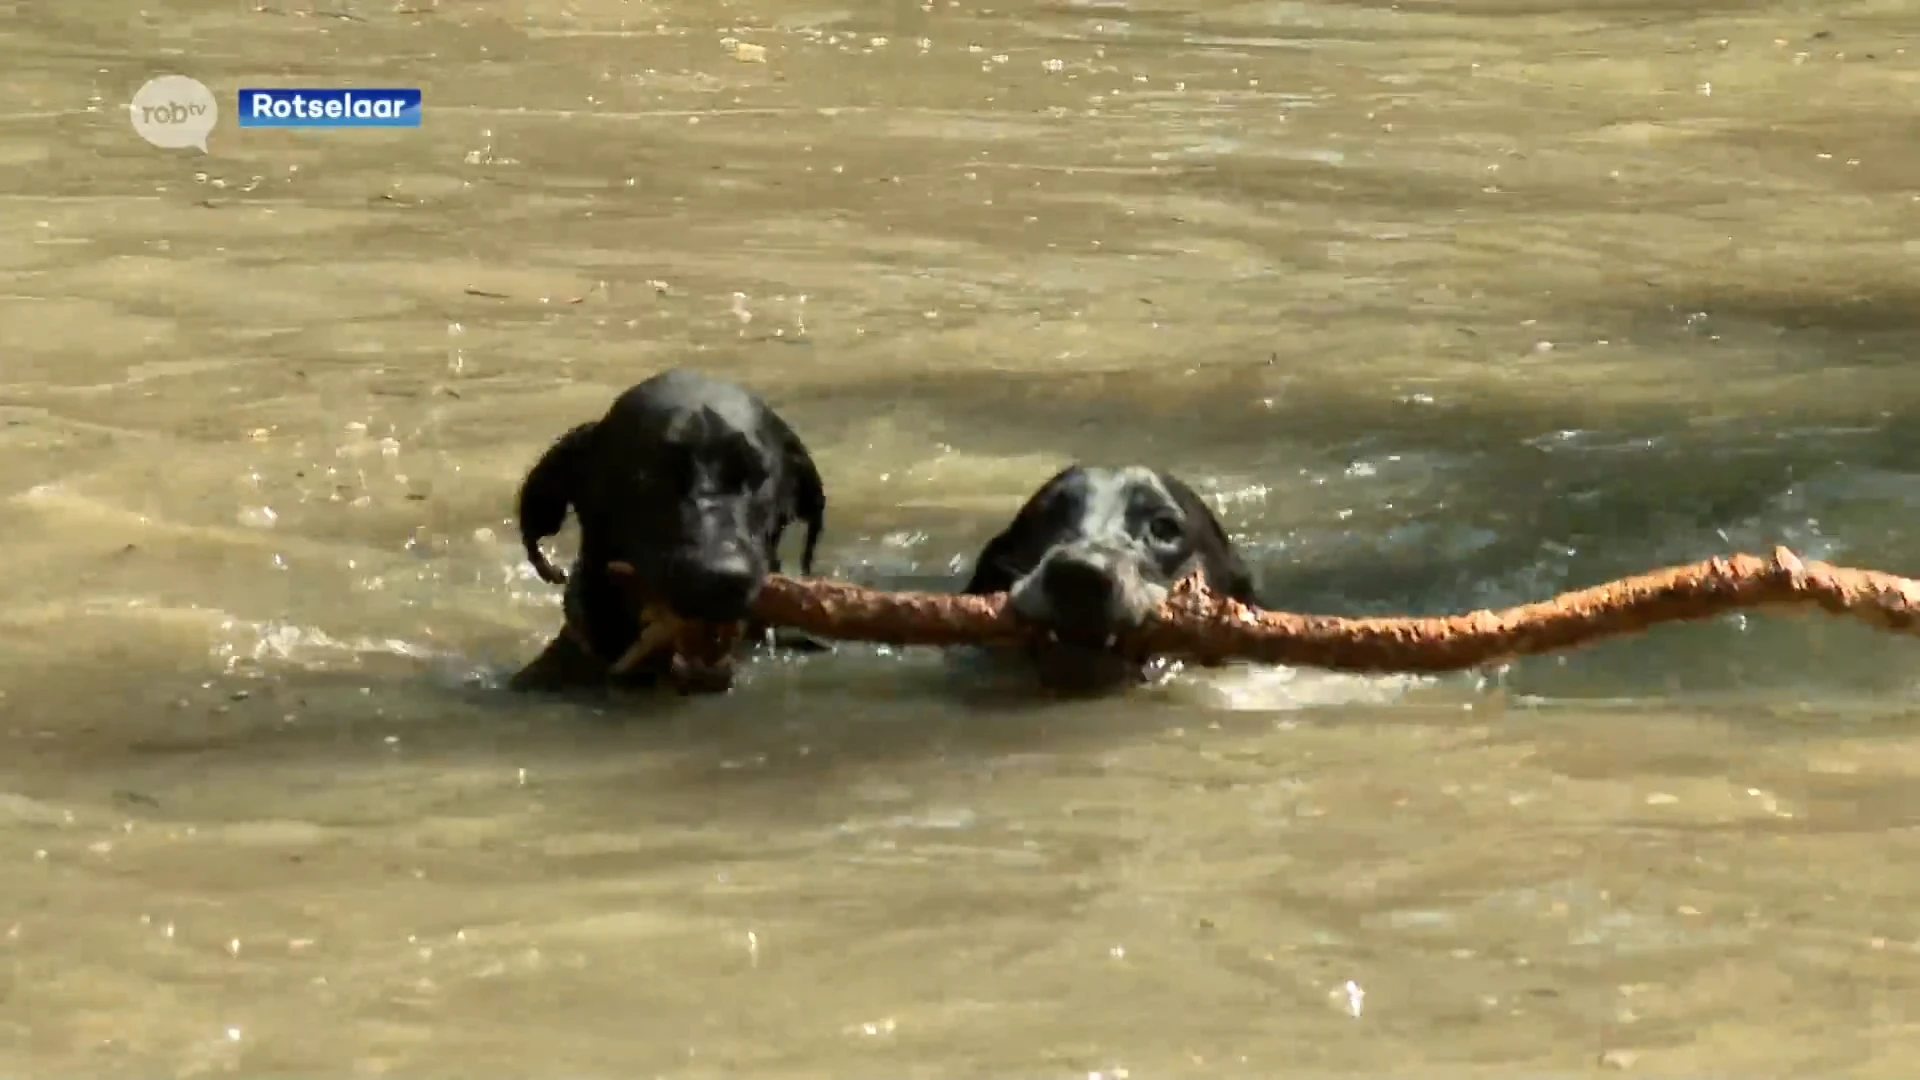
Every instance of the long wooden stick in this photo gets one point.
(1200, 626)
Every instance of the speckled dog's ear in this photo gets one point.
(1019, 547)
(1227, 573)
(552, 485)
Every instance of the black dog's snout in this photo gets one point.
(1081, 590)
(712, 590)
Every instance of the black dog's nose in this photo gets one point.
(717, 590)
(1081, 591)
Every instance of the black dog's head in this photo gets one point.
(690, 482)
(1093, 553)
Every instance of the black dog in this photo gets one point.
(682, 490)
(1092, 554)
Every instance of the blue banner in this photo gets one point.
(369, 107)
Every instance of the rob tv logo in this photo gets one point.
(173, 112)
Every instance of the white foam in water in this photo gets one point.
(1282, 689)
(305, 646)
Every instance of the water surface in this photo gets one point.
(1444, 304)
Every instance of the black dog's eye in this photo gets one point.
(1166, 529)
(675, 471)
(748, 476)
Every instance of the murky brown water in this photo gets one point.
(1449, 304)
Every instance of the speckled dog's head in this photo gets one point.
(1092, 554)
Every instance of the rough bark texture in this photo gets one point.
(1198, 626)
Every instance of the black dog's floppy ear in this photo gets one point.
(1227, 573)
(809, 498)
(552, 485)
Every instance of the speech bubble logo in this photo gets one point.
(174, 112)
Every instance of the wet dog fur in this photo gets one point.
(1091, 555)
(682, 492)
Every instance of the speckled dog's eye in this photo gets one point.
(1165, 529)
